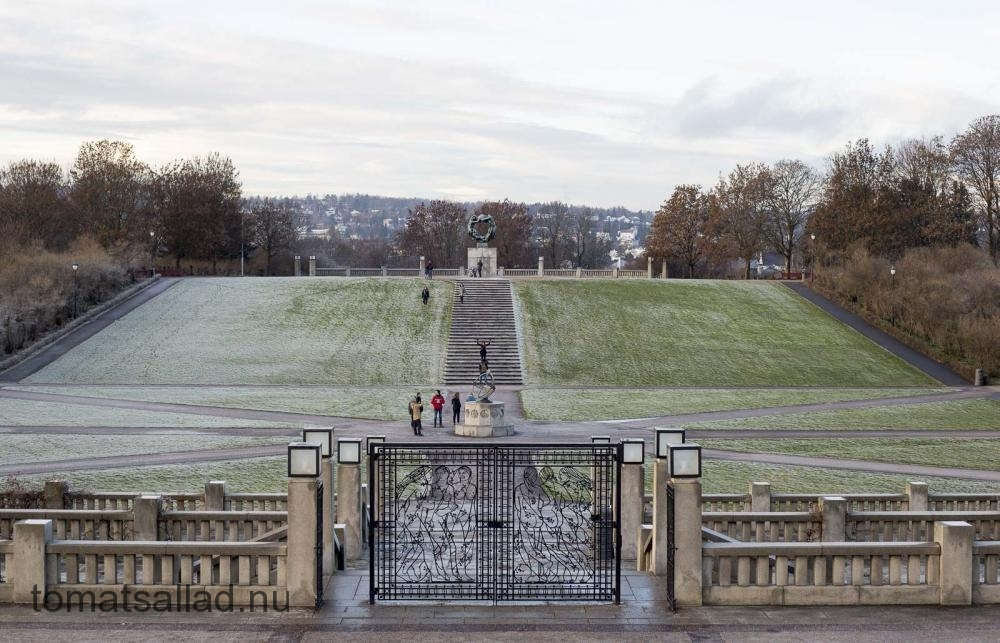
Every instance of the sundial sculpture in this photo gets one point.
(482, 228)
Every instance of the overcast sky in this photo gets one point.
(600, 103)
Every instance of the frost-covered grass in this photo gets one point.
(385, 403)
(270, 331)
(259, 475)
(734, 477)
(42, 447)
(694, 333)
(591, 404)
(955, 414)
(31, 413)
(951, 452)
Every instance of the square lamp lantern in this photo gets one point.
(685, 461)
(666, 437)
(373, 439)
(633, 450)
(303, 459)
(323, 435)
(349, 451)
(600, 439)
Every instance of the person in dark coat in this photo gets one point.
(425, 294)
(456, 408)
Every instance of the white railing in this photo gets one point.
(821, 573)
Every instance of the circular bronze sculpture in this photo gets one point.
(476, 224)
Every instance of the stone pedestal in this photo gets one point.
(489, 258)
(484, 419)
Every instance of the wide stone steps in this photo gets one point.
(487, 313)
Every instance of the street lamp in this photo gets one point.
(152, 253)
(76, 287)
(892, 276)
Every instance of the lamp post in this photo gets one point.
(76, 287)
(152, 253)
(892, 276)
(812, 261)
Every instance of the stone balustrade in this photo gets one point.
(75, 524)
(770, 526)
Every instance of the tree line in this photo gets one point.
(921, 193)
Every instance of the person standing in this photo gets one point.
(437, 403)
(429, 270)
(416, 412)
(456, 408)
(425, 294)
(461, 293)
(479, 268)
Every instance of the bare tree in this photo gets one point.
(738, 212)
(271, 228)
(513, 238)
(552, 223)
(109, 186)
(438, 231)
(794, 189)
(678, 229)
(33, 207)
(976, 155)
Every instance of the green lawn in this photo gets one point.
(34, 413)
(962, 453)
(260, 475)
(43, 447)
(615, 404)
(693, 333)
(734, 477)
(270, 331)
(957, 414)
(386, 403)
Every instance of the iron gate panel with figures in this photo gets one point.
(496, 523)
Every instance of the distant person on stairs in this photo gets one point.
(456, 408)
(482, 343)
(425, 295)
(416, 411)
(461, 293)
(479, 268)
(437, 403)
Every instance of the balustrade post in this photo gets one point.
(215, 495)
(348, 509)
(661, 546)
(297, 266)
(649, 267)
(385, 271)
(28, 569)
(614, 272)
(687, 540)
(146, 517)
(312, 266)
(347, 271)
(632, 493)
(579, 272)
(663, 275)
(55, 494)
(541, 266)
(916, 493)
(834, 510)
(760, 496)
(301, 567)
(955, 578)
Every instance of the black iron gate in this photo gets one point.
(319, 543)
(495, 523)
(671, 547)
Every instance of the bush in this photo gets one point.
(945, 301)
(38, 288)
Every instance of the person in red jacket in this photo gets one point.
(437, 402)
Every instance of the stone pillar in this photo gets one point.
(347, 271)
(834, 510)
(297, 268)
(955, 538)
(541, 266)
(326, 475)
(312, 266)
(145, 517)
(348, 511)
(663, 274)
(917, 494)
(661, 552)
(980, 378)
(631, 508)
(300, 568)
(614, 272)
(54, 493)
(579, 272)
(215, 495)
(27, 571)
(420, 266)
(649, 267)
(385, 271)
(760, 496)
(687, 540)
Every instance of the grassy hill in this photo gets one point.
(693, 333)
(270, 331)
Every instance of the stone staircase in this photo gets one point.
(487, 313)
